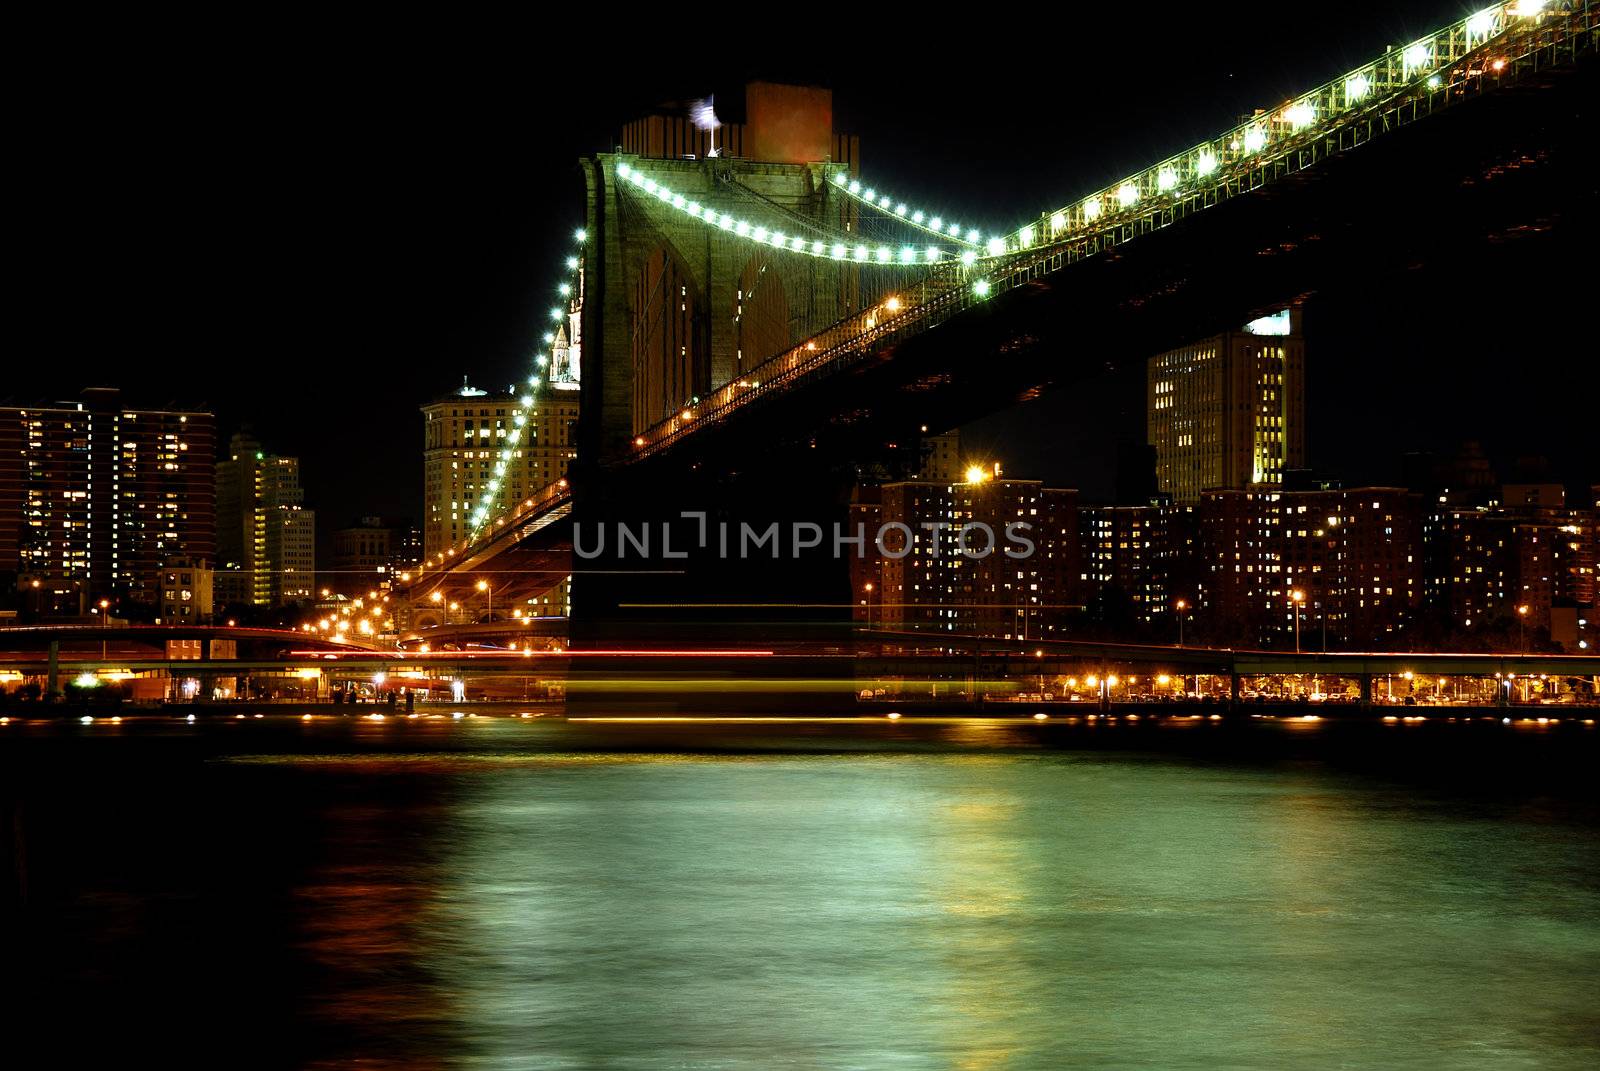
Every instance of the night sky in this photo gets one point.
(315, 226)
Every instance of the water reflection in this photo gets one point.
(987, 911)
(488, 893)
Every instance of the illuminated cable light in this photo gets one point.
(860, 253)
(1417, 56)
(908, 255)
(1091, 209)
(1480, 26)
(974, 237)
(917, 217)
(981, 288)
(565, 289)
(954, 231)
(1357, 87)
(556, 314)
(995, 246)
(1255, 139)
(1166, 179)
(1127, 194)
(1301, 115)
(1434, 81)
(855, 187)
(1206, 162)
(1528, 8)
(677, 200)
(1025, 235)
(1058, 222)
(900, 209)
(581, 235)
(622, 170)
(777, 239)
(932, 254)
(549, 338)
(935, 224)
(572, 263)
(968, 258)
(885, 254)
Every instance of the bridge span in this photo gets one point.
(1427, 154)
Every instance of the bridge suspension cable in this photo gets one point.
(903, 213)
(842, 247)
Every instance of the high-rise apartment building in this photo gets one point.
(1347, 564)
(1229, 412)
(924, 581)
(95, 497)
(471, 437)
(1144, 555)
(266, 538)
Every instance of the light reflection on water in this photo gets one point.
(963, 894)
(1019, 910)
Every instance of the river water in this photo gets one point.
(491, 892)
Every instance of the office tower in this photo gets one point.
(1229, 412)
(266, 538)
(468, 435)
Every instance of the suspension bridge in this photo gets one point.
(754, 333)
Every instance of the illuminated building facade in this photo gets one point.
(184, 592)
(941, 458)
(929, 585)
(95, 497)
(1527, 556)
(1229, 412)
(266, 538)
(476, 441)
(1142, 554)
(1353, 556)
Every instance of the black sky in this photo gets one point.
(315, 225)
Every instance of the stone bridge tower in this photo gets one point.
(675, 308)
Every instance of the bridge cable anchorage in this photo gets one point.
(1397, 72)
(900, 212)
(856, 252)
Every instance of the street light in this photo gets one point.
(483, 586)
(1298, 597)
(868, 589)
(1522, 615)
(1182, 606)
